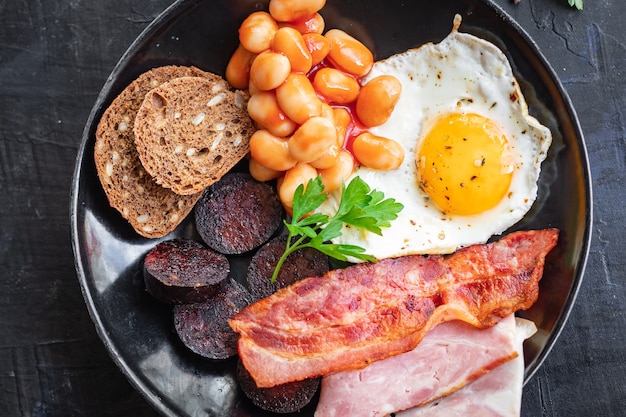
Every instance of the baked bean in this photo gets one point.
(290, 42)
(327, 112)
(269, 70)
(328, 158)
(252, 89)
(260, 172)
(318, 46)
(377, 100)
(348, 53)
(377, 152)
(271, 151)
(257, 31)
(263, 109)
(298, 99)
(312, 24)
(336, 175)
(279, 183)
(336, 86)
(299, 174)
(312, 139)
(238, 68)
(290, 10)
(342, 120)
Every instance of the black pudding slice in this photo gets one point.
(183, 271)
(203, 327)
(238, 214)
(303, 263)
(284, 398)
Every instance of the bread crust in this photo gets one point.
(191, 131)
(153, 211)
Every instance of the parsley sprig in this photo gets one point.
(360, 207)
(576, 3)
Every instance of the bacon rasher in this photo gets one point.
(352, 317)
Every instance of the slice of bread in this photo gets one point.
(153, 211)
(190, 131)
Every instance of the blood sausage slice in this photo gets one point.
(183, 271)
(303, 263)
(352, 317)
(283, 398)
(238, 213)
(203, 327)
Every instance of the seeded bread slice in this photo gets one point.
(191, 131)
(153, 211)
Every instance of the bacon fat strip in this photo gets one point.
(352, 317)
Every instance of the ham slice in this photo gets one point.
(449, 357)
(498, 393)
(352, 317)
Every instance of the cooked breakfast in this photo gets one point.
(400, 170)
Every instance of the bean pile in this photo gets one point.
(312, 111)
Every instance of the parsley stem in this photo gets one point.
(360, 207)
(289, 249)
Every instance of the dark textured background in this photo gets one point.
(55, 55)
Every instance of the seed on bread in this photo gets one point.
(191, 131)
(152, 210)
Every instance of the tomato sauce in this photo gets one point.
(355, 127)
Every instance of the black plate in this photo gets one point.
(137, 330)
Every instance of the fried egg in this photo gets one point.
(472, 152)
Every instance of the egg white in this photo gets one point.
(465, 74)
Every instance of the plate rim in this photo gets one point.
(138, 383)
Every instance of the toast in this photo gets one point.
(191, 131)
(153, 211)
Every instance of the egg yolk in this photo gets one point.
(464, 164)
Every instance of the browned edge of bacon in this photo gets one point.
(351, 317)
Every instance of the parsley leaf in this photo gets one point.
(360, 207)
(576, 3)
